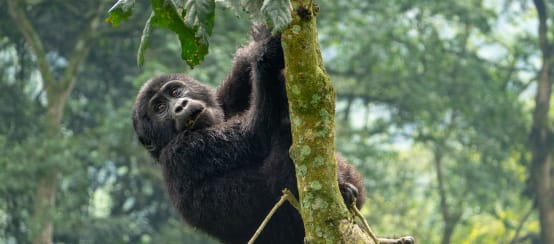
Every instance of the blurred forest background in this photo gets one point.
(436, 101)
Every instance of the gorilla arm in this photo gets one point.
(234, 93)
(214, 151)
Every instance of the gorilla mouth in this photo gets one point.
(193, 118)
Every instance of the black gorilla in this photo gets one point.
(224, 155)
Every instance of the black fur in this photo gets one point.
(225, 170)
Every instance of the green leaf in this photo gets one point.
(276, 13)
(120, 11)
(144, 41)
(250, 6)
(167, 15)
(200, 14)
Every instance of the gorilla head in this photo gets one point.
(169, 104)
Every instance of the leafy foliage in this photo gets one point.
(167, 15)
(251, 7)
(193, 25)
(120, 11)
(144, 41)
(193, 21)
(276, 13)
(201, 15)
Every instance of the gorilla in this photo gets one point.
(225, 154)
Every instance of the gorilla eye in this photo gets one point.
(160, 107)
(176, 92)
(149, 145)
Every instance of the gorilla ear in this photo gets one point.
(147, 144)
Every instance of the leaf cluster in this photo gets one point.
(193, 21)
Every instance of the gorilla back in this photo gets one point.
(224, 155)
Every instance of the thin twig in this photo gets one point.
(287, 196)
(292, 199)
(358, 214)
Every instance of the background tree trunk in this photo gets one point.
(449, 216)
(541, 133)
(57, 92)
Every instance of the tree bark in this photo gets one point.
(450, 219)
(541, 133)
(312, 110)
(57, 92)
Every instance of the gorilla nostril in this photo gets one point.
(184, 102)
(178, 109)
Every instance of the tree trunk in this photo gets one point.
(450, 219)
(312, 110)
(447, 232)
(45, 197)
(541, 134)
(44, 206)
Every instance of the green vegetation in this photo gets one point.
(436, 106)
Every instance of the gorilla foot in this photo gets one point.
(349, 193)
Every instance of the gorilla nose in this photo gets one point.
(187, 109)
(180, 106)
(186, 113)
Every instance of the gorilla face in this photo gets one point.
(170, 104)
(175, 102)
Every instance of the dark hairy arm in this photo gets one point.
(260, 61)
(200, 154)
(234, 93)
(269, 101)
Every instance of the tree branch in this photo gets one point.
(82, 48)
(31, 37)
(360, 216)
(287, 196)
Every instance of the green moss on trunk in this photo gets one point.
(312, 110)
